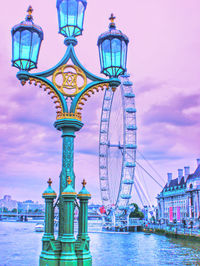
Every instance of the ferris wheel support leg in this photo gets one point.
(68, 128)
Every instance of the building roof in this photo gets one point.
(174, 182)
(175, 186)
(196, 174)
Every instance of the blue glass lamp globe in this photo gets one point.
(113, 45)
(26, 42)
(71, 17)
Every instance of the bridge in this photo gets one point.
(25, 217)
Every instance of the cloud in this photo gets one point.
(173, 112)
(148, 85)
(168, 130)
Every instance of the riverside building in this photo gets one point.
(7, 203)
(179, 200)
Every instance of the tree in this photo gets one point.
(5, 209)
(136, 213)
(14, 210)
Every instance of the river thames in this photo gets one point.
(21, 245)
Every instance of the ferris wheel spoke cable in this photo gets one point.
(114, 158)
(110, 162)
(142, 190)
(151, 166)
(149, 174)
(115, 137)
(140, 173)
(116, 116)
(138, 193)
(119, 119)
(118, 170)
(117, 123)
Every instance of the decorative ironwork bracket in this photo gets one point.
(67, 86)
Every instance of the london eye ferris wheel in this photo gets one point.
(117, 145)
(117, 139)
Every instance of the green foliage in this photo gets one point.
(160, 231)
(14, 210)
(136, 213)
(5, 209)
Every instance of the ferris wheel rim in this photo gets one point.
(103, 163)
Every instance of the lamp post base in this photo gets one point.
(66, 261)
(50, 254)
(49, 259)
(85, 261)
(84, 258)
(83, 251)
(68, 255)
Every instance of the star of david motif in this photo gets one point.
(71, 82)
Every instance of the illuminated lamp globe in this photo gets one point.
(113, 45)
(26, 42)
(71, 17)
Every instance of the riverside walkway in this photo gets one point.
(174, 230)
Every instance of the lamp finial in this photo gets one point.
(49, 181)
(30, 11)
(69, 180)
(84, 183)
(112, 18)
(112, 21)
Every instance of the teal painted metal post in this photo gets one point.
(67, 170)
(48, 255)
(83, 240)
(68, 255)
(68, 128)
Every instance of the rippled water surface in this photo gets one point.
(20, 245)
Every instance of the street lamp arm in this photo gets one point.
(70, 54)
(87, 92)
(48, 86)
(88, 74)
(63, 61)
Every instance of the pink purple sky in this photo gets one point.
(163, 60)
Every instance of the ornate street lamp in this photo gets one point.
(71, 16)
(26, 40)
(113, 46)
(69, 86)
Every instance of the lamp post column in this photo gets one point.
(83, 241)
(49, 256)
(68, 128)
(68, 255)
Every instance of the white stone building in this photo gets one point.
(179, 200)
